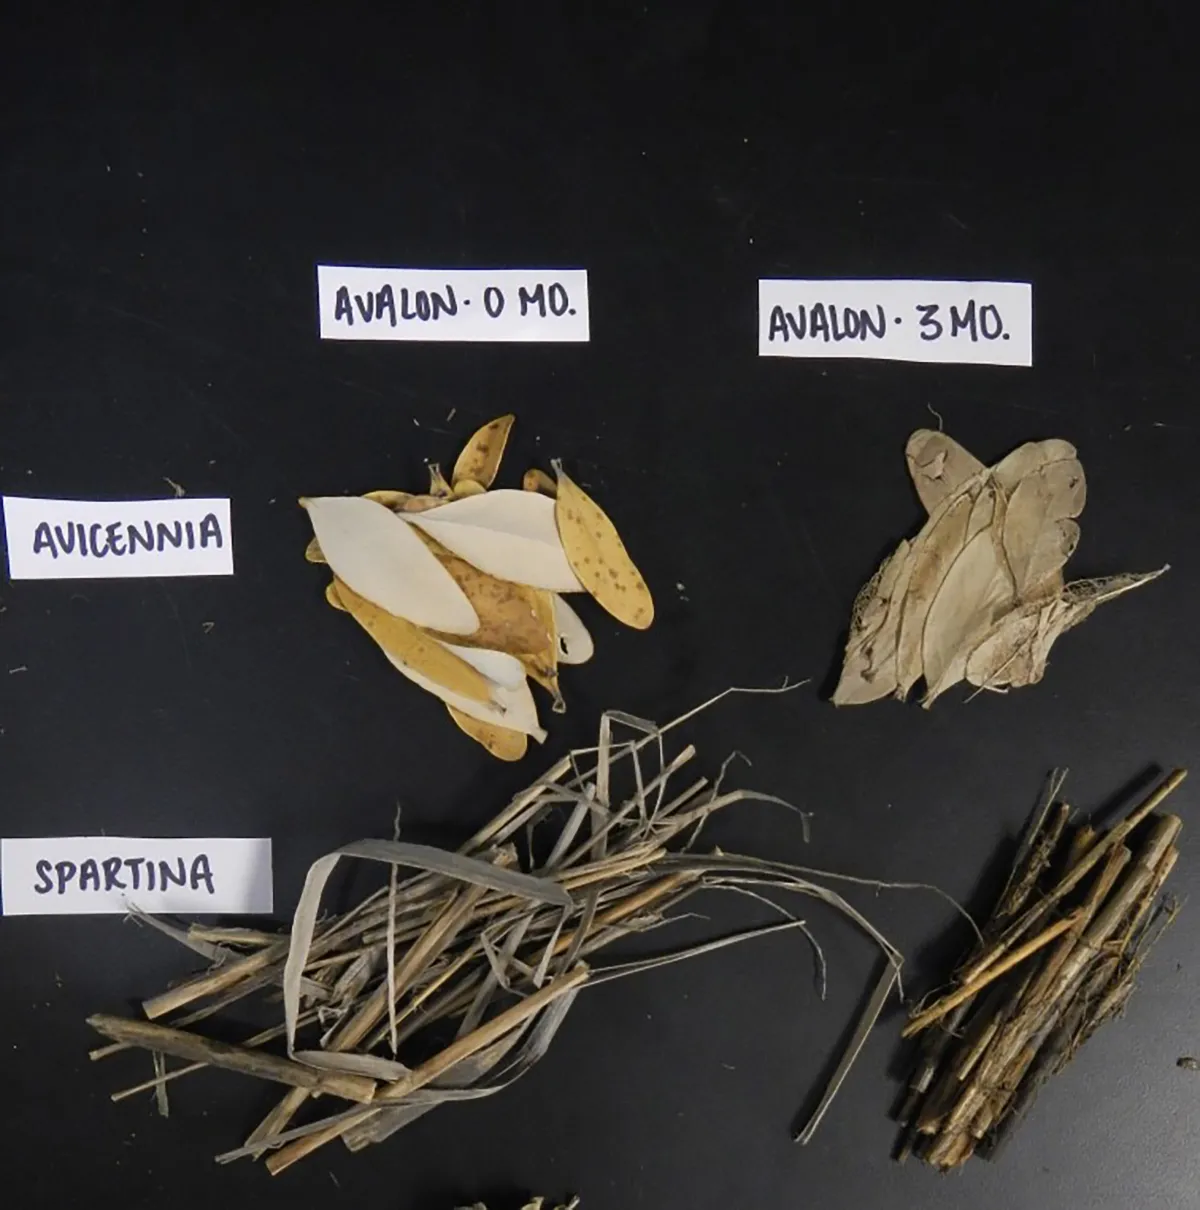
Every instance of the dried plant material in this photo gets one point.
(978, 594)
(977, 589)
(377, 554)
(394, 500)
(931, 558)
(506, 533)
(536, 480)
(402, 641)
(510, 617)
(460, 586)
(438, 487)
(575, 644)
(513, 708)
(938, 465)
(1028, 458)
(502, 742)
(481, 456)
(468, 964)
(598, 556)
(498, 666)
(537, 1203)
(1040, 534)
(1057, 959)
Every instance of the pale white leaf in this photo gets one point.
(511, 707)
(498, 666)
(506, 533)
(375, 552)
(574, 642)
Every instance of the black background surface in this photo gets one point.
(169, 182)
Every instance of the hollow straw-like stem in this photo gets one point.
(183, 1045)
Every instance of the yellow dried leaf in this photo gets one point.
(468, 487)
(331, 595)
(597, 555)
(406, 502)
(480, 458)
(415, 648)
(389, 499)
(502, 742)
(312, 552)
(535, 480)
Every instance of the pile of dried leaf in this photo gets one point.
(1058, 958)
(462, 587)
(450, 983)
(979, 592)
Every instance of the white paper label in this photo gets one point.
(101, 540)
(974, 322)
(97, 875)
(453, 304)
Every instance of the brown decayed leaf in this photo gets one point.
(932, 558)
(869, 671)
(510, 615)
(598, 556)
(480, 458)
(979, 592)
(535, 480)
(938, 465)
(976, 591)
(1026, 459)
(502, 742)
(1039, 533)
(415, 648)
(1004, 656)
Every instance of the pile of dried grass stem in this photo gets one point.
(1058, 958)
(471, 963)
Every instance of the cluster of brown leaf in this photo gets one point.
(978, 594)
(462, 587)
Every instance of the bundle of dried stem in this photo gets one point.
(449, 983)
(1058, 958)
